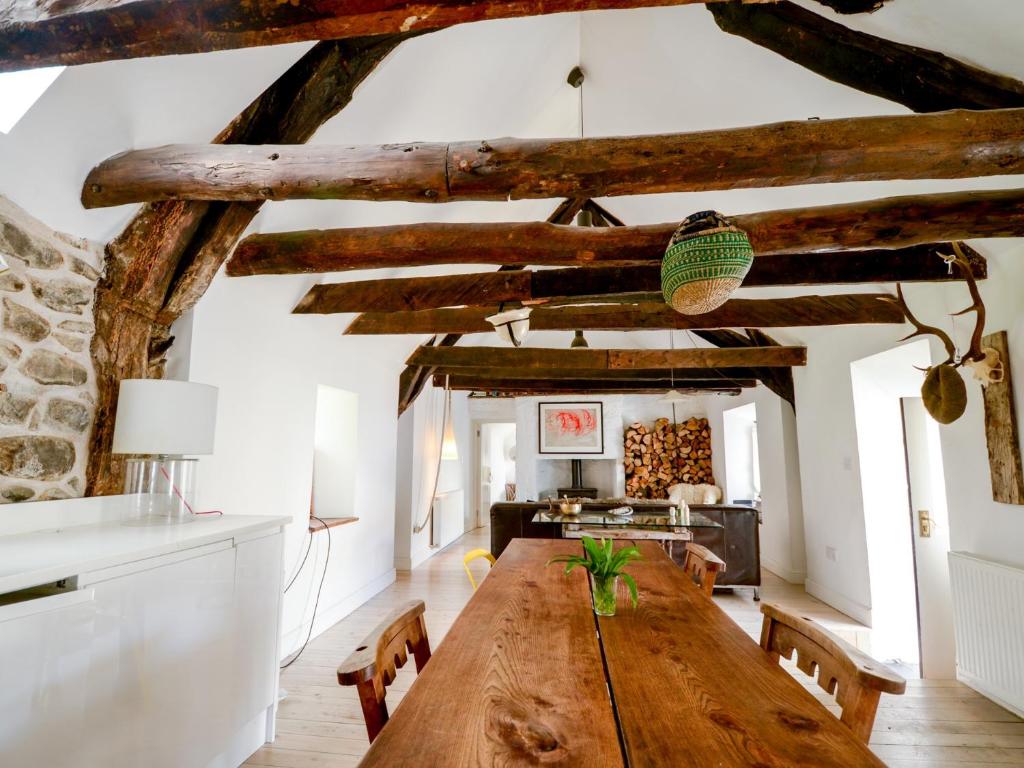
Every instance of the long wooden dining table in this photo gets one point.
(528, 675)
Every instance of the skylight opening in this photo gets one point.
(19, 91)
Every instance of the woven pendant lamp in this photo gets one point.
(704, 263)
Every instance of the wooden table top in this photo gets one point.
(526, 676)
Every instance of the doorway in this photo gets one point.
(902, 484)
(495, 466)
(742, 462)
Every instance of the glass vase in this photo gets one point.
(604, 590)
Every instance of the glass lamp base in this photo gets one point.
(163, 489)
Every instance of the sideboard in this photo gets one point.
(737, 542)
(136, 645)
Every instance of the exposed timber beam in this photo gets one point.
(166, 257)
(923, 80)
(948, 145)
(841, 309)
(893, 222)
(544, 386)
(586, 360)
(919, 263)
(414, 377)
(854, 6)
(39, 33)
(620, 375)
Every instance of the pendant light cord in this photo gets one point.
(445, 415)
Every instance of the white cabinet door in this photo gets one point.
(159, 678)
(44, 670)
(257, 618)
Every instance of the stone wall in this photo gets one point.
(47, 382)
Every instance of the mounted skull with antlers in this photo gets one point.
(943, 391)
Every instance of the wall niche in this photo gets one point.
(658, 457)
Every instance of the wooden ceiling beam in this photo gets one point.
(919, 263)
(894, 222)
(590, 359)
(840, 309)
(620, 375)
(949, 145)
(40, 33)
(583, 385)
(923, 80)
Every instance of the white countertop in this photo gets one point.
(32, 558)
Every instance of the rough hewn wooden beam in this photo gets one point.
(957, 144)
(542, 386)
(841, 309)
(919, 263)
(37, 33)
(619, 375)
(893, 222)
(587, 360)
(165, 258)
(923, 80)
(854, 6)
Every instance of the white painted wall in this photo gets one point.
(268, 365)
(831, 482)
(780, 461)
(537, 473)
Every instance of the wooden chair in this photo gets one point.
(703, 566)
(854, 678)
(472, 555)
(372, 666)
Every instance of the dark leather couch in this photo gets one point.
(737, 542)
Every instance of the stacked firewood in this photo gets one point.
(657, 458)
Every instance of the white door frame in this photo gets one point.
(476, 425)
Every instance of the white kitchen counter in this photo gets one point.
(161, 648)
(39, 557)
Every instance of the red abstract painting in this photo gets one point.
(571, 428)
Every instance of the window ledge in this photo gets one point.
(330, 522)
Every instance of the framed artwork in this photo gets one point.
(571, 427)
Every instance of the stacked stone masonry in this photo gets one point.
(47, 381)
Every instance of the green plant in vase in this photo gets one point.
(606, 568)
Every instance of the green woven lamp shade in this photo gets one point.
(704, 263)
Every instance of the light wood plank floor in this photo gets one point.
(937, 724)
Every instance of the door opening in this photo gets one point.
(496, 467)
(901, 478)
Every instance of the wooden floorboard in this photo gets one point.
(936, 724)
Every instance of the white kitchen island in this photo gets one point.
(124, 646)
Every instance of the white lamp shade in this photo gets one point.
(512, 325)
(165, 417)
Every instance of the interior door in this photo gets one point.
(931, 540)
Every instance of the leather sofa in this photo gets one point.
(737, 542)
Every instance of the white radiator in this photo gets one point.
(988, 609)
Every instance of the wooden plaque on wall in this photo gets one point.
(1001, 429)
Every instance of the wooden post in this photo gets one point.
(1001, 432)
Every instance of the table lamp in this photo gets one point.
(158, 422)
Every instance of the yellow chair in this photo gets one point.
(470, 557)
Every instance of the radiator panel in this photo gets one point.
(988, 610)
